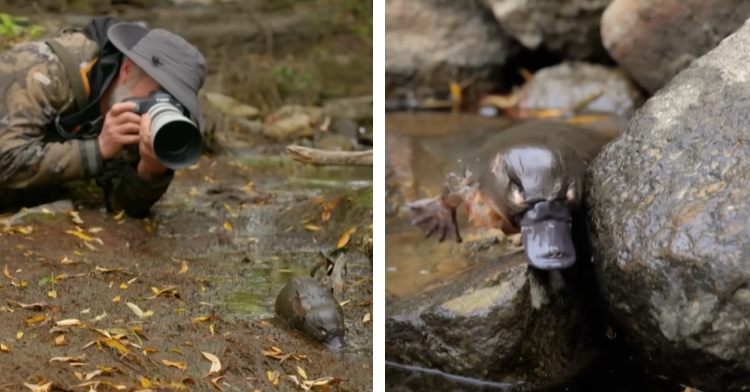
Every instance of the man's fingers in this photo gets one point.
(127, 129)
(122, 107)
(128, 139)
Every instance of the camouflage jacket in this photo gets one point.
(34, 158)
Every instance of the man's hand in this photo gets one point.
(121, 127)
(149, 166)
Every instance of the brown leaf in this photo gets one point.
(215, 382)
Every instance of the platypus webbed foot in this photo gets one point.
(433, 216)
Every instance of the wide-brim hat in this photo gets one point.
(166, 57)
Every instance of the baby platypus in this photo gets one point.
(303, 304)
(529, 178)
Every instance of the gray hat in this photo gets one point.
(168, 58)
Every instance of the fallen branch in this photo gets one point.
(317, 157)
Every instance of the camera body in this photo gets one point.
(176, 139)
(142, 105)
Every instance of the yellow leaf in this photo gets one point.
(313, 228)
(145, 382)
(79, 235)
(184, 267)
(211, 329)
(52, 294)
(215, 363)
(366, 318)
(345, 238)
(174, 350)
(302, 373)
(138, 312)
(4, 348)
(123, 286)
(116, 299)
(227, 207)
(19, 335)
(36, 319)
(59, 340)
(116, 345)
(119, 215)
(95, 230)
(179, 365)
(228, 226)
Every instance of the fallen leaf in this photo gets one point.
(302, 373)
(227, 226)
(116, 299)
(179, 365)
(215, 382)
(68, 359)
(59, 340)
(69, 323)
(6, 273)
(116, 345)
(366, 318)
(273, 377)
(345, 238)
(36, 319)
(313, 228)
(19, 335)
(4, 348)
(138, 312)
(39, 388)
(119, 215)
(52, 294)
(123, 286)
(95, 230)
(184, 267)
(215, 363)
(76, 218)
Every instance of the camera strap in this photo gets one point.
(74, 74)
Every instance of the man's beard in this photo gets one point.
(122, 92)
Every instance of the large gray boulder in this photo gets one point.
(442, 35)
(569, 29)
(653, 40)
(670, 206)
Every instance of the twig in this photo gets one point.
(318, 157)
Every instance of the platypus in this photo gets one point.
(303, 304)
(528, 178)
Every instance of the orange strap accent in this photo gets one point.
(84, 78)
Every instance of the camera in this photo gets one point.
(176, 140)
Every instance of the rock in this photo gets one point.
(494, 321)
(655, 40)
(292, 122)
(569, 29)
(669, 223)
(425, 35)
(565, 85)
(353, 108)
(231, 107)
(345, 127)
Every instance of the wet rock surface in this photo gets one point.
(435, 35)
(495, 321)
(669, 223)
(655, 40)
(569, 29)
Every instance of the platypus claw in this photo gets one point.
(432, 217)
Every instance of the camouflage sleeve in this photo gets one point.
(35, 89)
(125, 190)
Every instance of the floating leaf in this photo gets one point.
(179, 365)
(313, 228)
(215, 363)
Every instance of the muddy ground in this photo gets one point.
(212, 306)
